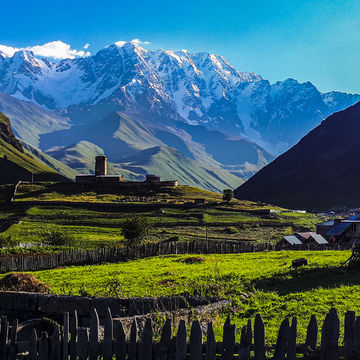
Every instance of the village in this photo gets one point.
(335, 231)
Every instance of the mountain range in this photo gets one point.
(127, 101)
(321, 172)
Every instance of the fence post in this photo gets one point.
(73, 335)
(210, 343)
(147, 340)
(108, 336)
(195, 349)
(245, 342)
(165, 340)
(228, 340)
(356, 338)
(291, 350)
(33, 346)
(181, 348)
(311, 337)
(94, 335)
(133, 340)
(13, 337)
(330, 336)
(43, 346)
(83, 343)
(119, 340)
(282, 340)
(4, 328)
(259, 338)
(349, 334)
(66, 337)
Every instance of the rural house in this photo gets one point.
(347, 230)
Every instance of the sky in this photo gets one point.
(317, 40)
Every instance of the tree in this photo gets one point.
(228, 194)
(135, 229)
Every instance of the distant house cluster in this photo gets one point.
(101, 178)
(341, 230)
(303, 238)
(332, 231)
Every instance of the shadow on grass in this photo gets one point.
(299, 280)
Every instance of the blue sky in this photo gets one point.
(317, 41)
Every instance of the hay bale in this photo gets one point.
(23, 282)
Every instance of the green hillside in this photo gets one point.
(16, 164)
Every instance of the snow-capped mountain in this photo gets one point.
(164, 86)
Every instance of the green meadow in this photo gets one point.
(255, 283)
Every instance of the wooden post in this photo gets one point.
(147, 340)
(181, 348)
(13, 337)
(210, 343)
(66, 337)
(311, 337)
(33, 354)
(43, 347)
(133, 339)
(282, 340)
(73, 335)
(330, 336)
(94, 335)
(119, 340)
(291, 349)
(228, 340)
(356, 338)
(259, 338)
(83, 343)
(108, 336)
(245, 342)
(195, 349)
(349, 335)
(165, 340)
(4, 328)
(55, 344)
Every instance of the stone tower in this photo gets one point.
(100, 165)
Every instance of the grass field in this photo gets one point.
(94, 227)
(256, 283)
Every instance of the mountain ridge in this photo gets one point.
(320, 172)
(197, 89)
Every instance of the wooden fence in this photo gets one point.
(74, 342)
(117, 254)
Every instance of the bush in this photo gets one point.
(7, 241)
(57, 237)
(135, 229)
(228, 195)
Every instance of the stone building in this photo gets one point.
(101, 178)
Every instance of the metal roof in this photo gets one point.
(319, 239)
(305, 235)
(342, 227)
(328, 223)
(292, 240)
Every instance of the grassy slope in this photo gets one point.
(18, 165)
(94, 225)
(49, 161)
(259, 282)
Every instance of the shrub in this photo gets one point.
(7, 241)
(57, 237)
(228, 195)
(135, 229)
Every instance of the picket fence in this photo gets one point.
(74, 342)
(117, 254)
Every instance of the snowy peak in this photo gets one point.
(198, 89)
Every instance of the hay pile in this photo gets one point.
(23, 282)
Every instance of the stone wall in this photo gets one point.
(24, 306)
